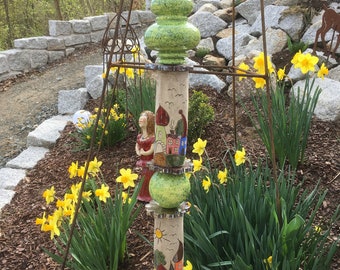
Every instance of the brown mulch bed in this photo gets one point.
(22, 242)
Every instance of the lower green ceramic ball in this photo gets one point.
(169, 190)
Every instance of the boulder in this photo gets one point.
(207, 23)
(328, 105)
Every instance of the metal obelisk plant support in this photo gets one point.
(171, 36)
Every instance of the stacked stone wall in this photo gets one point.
(64, 38)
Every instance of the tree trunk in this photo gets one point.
(58, 10)
(9, 37)
(90, 7)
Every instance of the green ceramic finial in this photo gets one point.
(171, 35)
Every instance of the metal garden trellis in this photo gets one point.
(117, 43)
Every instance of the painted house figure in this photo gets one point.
(173, 143)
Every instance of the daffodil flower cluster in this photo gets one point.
(130, 73)
(65, 206)
(222, 175)
(113, 132)
(303, 61)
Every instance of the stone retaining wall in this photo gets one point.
(64, 38)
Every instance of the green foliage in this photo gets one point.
(99, 239)
(291, 122)
(201, 52)
(235, 225)
(294, 47)
(139, 96)
(111, 128)
(200, 115)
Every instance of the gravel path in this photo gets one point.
(27, 101)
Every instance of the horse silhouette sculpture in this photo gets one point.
(330, 20)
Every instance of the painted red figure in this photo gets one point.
(144, 149)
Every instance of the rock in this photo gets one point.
(328, 105)
(91, 71)
(39, 43)
(334, 74)
(224, 46)
(70, 101)
(81, 26)
(292, 24)
(226, 4)
(206, 43)
(28, 158)
(276, 42)
(225, 14)
(10, 177)
(18, 60)
(250, 9)
(98, 22)
(95, 87)
(208, 24)
(59, 28)
(4, 67)
(39, 58)
(201, 80)
(210, 60)
(207, 8)
(46, 134)
(199, 3)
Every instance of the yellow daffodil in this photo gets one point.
(103, 193)
(317, 229)
(52, 226)
(73, 196)
(94, 166)
(268, 262)
(127, 178)
(49, 195)
(60, 203)
(222, 176)
(87, 195)
(281, 73)
(305, 62)
(125, 197)
(188, 175)
(322, 71)
(259, 82)
(113, 69)
(41, 221)
(197, 164)
(81, 172)
(188, 265)
(240, 157)
(244, 67)
(130, 73)
(73, 169)
(295, 58)
(206, 183)
(259, 64)
(140, 72)
(199, 146)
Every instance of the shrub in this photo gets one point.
(200, 115)
(234, 223)
(294, 47)
(201, 52)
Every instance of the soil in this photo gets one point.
(30, 99)
(21, 100)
